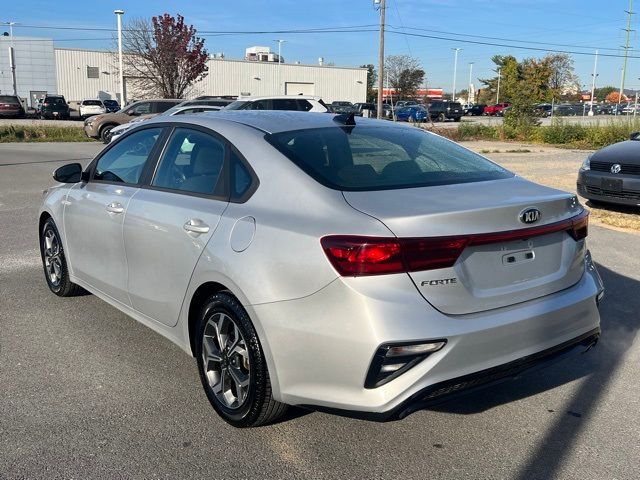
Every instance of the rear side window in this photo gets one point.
(160, 107)
(192, 163)
(304, 105)
(124, 162)
(382, 158)
(9, 99)
(285, 104)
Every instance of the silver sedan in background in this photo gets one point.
(177, 110)
(316, 260)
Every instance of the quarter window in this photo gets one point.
(192, 163)
(125, 161)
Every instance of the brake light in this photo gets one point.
(580, 226)
(358, 256)
(45, 104)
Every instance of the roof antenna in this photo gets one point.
(345, 119)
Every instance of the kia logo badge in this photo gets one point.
(530, 215)
(616, 168)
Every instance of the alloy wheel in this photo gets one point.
(52, 260)
(225, 358)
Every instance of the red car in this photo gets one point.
(10, 107)
(494, 109)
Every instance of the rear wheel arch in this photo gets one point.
(202, 293)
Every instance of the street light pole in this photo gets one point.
(469, 87)
(455, 71)
(593, 82)
(498, 90)
(280, 42)
(12, 57)
(119, 14)
(382, 6)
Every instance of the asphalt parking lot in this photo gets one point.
(86, 392)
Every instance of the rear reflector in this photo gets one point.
(356, 256)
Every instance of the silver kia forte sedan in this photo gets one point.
(355, 266)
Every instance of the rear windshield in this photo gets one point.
(92, 102)
(110, 102)
(56, 100)
(382, 158)
(9, 99)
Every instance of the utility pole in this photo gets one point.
(382, 6)
(593, 82)
(119, 14)
(455, 71)
(628, 31)
(498, 91)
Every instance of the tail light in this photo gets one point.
(45, 104)
(356, 256)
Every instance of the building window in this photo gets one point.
(93, 72)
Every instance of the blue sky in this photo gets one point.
(585, 25)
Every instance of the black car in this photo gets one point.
(111, 105)
(360, 108)
(54, 107)
(341, 107)
(476, 109)
(612, 174)
(442, 110)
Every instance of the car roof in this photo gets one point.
(279, 97)
(270, 121)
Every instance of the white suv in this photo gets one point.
(91, 106)
(300, 103)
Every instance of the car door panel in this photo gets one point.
(94, 236)
(95, 211)
(161, 252)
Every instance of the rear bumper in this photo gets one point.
(321, 347)
(456, 387)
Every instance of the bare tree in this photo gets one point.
(405, 74)
(163, 57)
(563, 79)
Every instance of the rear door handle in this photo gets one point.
(115, 207)
(197, 226)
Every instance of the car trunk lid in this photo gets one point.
(493, 271)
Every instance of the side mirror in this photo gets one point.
(634, 136)
(70, 173)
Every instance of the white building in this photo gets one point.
(78, 74)
(262, 54)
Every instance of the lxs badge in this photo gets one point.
(530, 215)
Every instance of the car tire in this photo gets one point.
(442, 117)
(105, 133)
(233, 356)
(457, 119)
(54, 262)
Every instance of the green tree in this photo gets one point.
(601, 94)
(372, 77)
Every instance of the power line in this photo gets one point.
(394, 30)
(506, 39)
